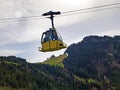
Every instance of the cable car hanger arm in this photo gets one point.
(51, 14)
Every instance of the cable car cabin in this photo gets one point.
(51, 41)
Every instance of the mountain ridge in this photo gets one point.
(96, 57)
(92, 64)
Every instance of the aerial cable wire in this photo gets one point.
(29, 17)
(87, 11)
(20, 19)
(102, 6)
(72, 12)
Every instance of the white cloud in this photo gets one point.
(9, 52)
(20, 33)
(110, 33)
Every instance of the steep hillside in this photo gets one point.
(27, 76)
(56, 61)
(96, 57)
(92, 64)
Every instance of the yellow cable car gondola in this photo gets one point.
(51, 39)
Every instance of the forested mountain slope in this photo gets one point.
(96, 57)
(92, 64)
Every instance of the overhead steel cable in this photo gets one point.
(29, 17)
(90, 8)
(84, 10)
(87, 11)
(22, 19)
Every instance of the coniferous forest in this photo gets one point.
(92, 64)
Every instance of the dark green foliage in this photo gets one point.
(12, 59)
(34, 76)
(38, 77)
(92, 64)
(95, 57)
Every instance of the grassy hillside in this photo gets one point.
(93, 64)
(56, 61)
(26, 76)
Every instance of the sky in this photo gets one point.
(22, 38)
